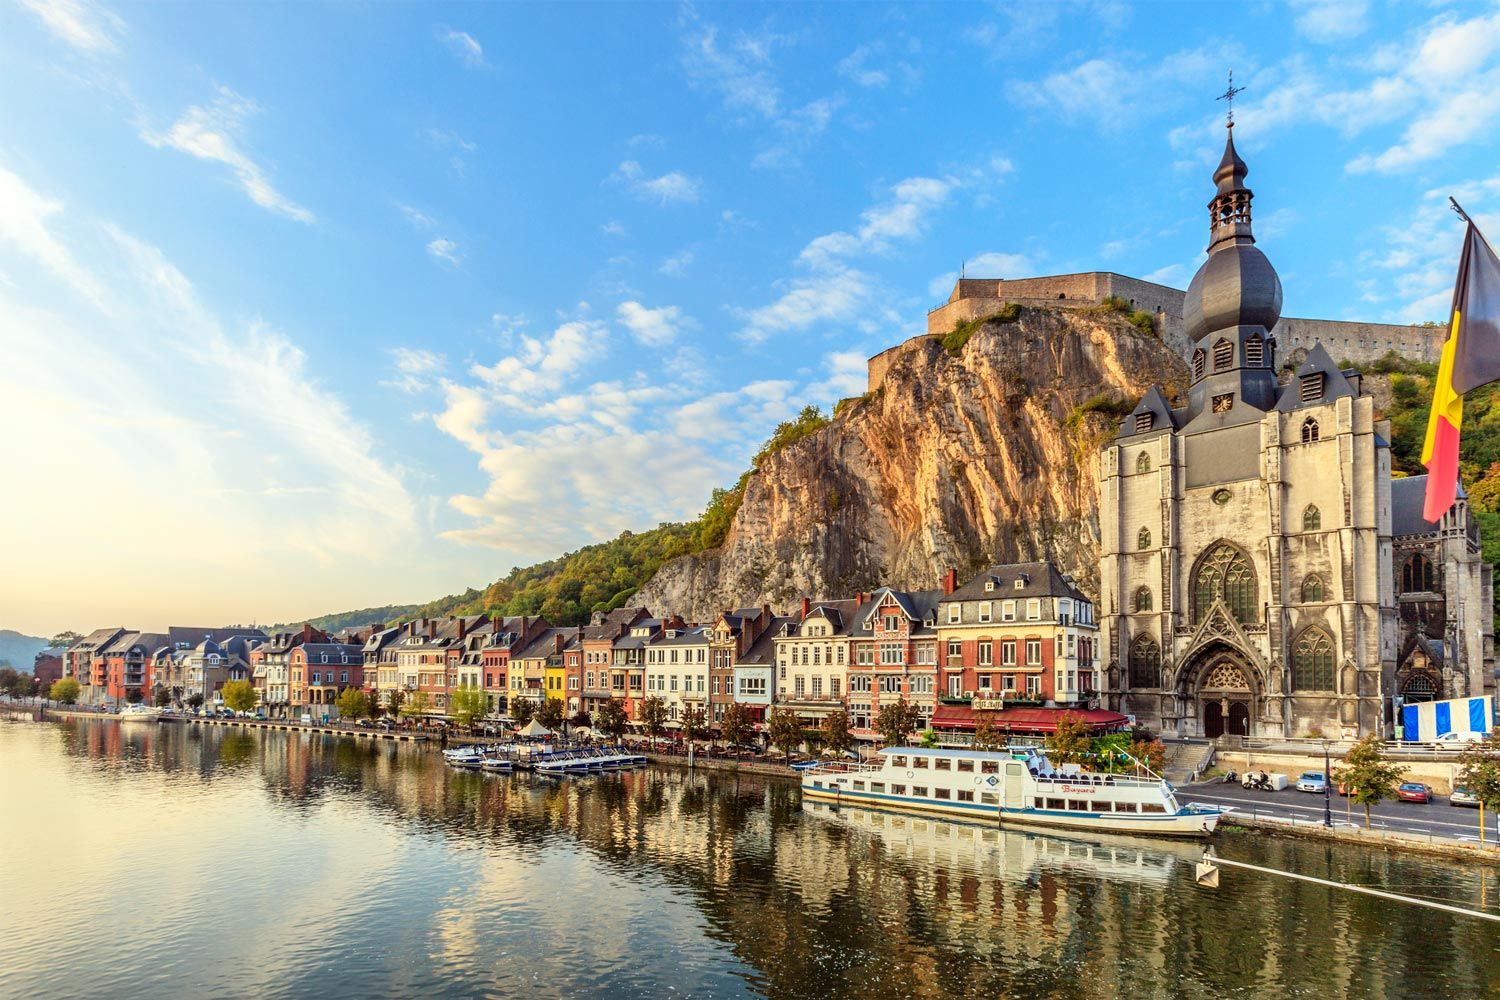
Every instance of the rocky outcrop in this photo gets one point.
(989, 455)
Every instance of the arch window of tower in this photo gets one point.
(1145, 662)
(1143, 539)
(1223, 354)
(1313, 590)
(1224, 573)
(1309, 431)
(1312, 518)
(1199, 360)
(1417, 575)
(1143, 462)
(1312, 660)
(1143, 599)
(1255, 350)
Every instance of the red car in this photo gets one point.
(1414, 792)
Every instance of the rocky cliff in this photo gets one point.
(985, 454)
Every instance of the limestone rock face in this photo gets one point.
(954, 461)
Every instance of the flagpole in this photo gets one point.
(1453, 204)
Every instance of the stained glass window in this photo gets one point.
(1225, 573)
(1312, 660)
(1143, 599)
(1143, 539)
(1312, 589)
(1145, 662)
(1312, 518)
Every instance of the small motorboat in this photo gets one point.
(140, 713)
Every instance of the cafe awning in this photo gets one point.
(1025, 720)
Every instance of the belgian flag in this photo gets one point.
(1471, 358)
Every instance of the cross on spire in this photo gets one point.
(1228, 98)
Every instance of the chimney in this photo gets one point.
(497, 624)
(463, 627)
(426, 624)
(950, 580)
(411, 627)
(806, 607)
(861, 597)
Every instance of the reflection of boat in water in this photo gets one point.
(140, 713)
(1014, 787)
(1021, 852)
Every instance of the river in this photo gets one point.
(178, 861)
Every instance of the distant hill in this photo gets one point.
(350, 619)
(19, 651)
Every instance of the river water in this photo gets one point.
(177, 861)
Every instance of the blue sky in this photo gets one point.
(310, 307)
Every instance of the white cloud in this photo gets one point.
(416, 217)
(1113, 92)
(88, 27)
(212, 133)
(831, 295)
(1452, 123)
(855, 67)
(677, 264)
(463, 45)
(993, 264)
(541, 365)
(737, 70)
(652, 327)
(1170, 275)
(670, 188)
(613, 228)
(444, 249)
(415, 368)
(1331, 20)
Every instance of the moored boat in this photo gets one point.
(1018, 787)
(140, 713)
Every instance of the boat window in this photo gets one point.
(1056, 804)
(919, 762)
(993, 767)
(898, 789)
(1153, 807)
(877, 786)
(989, 798)
(919, 790)
(898, 761)
(817, 784)
(941, 793)
(942, 764)
(1079, 805)
(966, 765)
(1124, 807)
(859, 786)
(965, 796)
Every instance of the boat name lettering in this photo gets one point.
(1082, 789)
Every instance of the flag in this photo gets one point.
(1470, 359)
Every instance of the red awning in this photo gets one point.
(1026, 720)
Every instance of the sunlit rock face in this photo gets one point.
(962, 461)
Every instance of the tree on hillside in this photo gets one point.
(352, 703)
(785, 730)
(1479, 772)
(1367, 775)
(835, 732)
(896, 721)
(653, 716)
(64, 690)
(551, 713)
(735, 728)
(611, 718)
(522, 711)
(63, 639)
(1070, 742)
(239, 696)
(465, 705)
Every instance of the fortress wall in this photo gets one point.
(1360, 343)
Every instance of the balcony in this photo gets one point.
(953, 661)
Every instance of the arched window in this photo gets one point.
(1143, 539)
(1143, 462)
(1223, 354)
(1313, 589)
(1309, 430)
(1417, 574)
(1312, 660)
(1198, 362)
(1419, 687)
(1225, 574)
(1312, 518)
(1143, 599)
(1255, 351)
(1145, 662)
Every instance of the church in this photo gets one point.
(1261, 572)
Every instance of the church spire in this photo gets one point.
(1229, 212)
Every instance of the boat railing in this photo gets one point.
(843, 767)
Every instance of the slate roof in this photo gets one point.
(1042, 580)
(1154, 403)
(762, 652)
(1408, 497)
(919, 605)
(1335, 385)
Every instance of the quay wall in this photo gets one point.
(1315, 830)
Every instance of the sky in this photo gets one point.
(312, 307)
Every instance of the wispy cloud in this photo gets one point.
(652, 327)
(1331, 20)
(212, 133)
(673, 187)
(89, 27)
(444, 250)
(463, 45)
(992, 264)
(737, 68)
(415, 367)
(676, 265)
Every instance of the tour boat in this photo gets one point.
(1018, 787)
(140, 713)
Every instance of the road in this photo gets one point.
(1435, 819)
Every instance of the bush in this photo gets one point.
(954, 340)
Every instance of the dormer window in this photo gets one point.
(1255, 351)
(1310, 387)
(1223, 354)
(1144, 422)
(989, 585)
(1020, 583)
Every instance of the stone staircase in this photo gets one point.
(1186, 759)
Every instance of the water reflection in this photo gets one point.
(281, 864)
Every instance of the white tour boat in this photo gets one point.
(140, 713)
(1018, 787)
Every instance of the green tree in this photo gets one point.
(985, 735)
(395, 700)
(465, 705)
(8, 677)
(896, 721)
(239, 696)
(64, 690)
(63, 639)
(1149, 752)
(551, 713)
(653, 716)
(735, 728)
(1479, 772)
(195, 701)
(416, 704)
(611, 718)
(134, 696)
(372, 703)
(1367, 775)
(836, 735)
(785, 730)
(163, 697)
(1070, 742)
(522, 711)
(352, 703)
(694, 723)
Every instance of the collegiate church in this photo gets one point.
(1261, 572)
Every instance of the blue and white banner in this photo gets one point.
(1426, 721)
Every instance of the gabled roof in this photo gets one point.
(919, 605)
(762, 652)
(1154, 403)
(1335, 385)
(1041, 579)
(1408, 498)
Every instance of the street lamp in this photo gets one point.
(1327, 788)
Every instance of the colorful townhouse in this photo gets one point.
(208, 666)
(536, 670)
(730, 637)
(597, 646)
(319, 671)
(813, 656)
(754, 670)
(506, 637)
(893, 649)
(270, 668)
(628, 671)
(677, 669)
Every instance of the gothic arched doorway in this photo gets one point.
(1224, 697)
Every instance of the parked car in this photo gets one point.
(1414, 791)
(1463, 797)
(1313, 781)
(1460, 739)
